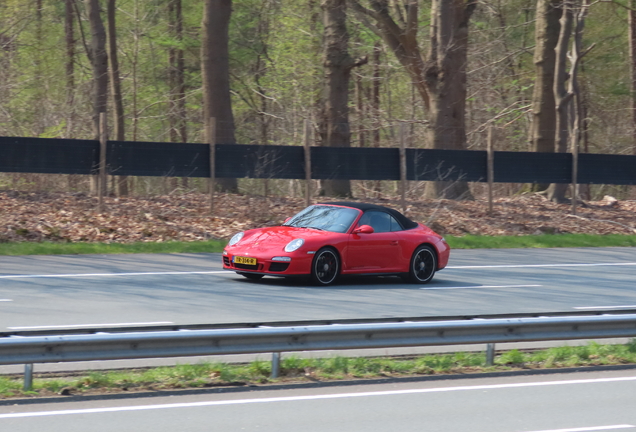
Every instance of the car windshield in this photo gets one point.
(322, 217)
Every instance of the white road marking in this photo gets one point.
(110, 274)
(606, 307)
(481, 286)
(313, 397)
(539, 265)
(89, 325)
(594, 428)
(5, 300)
(230, 272)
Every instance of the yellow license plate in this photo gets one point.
(244, 260)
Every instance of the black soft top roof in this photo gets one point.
(403, 220)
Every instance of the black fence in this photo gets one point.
(66, 156)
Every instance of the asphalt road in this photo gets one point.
(546, 403)
(112, 290)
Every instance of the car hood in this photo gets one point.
(275, 238)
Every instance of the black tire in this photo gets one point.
(251, 276)
(325, 267)
(423, 265)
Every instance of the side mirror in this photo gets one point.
(364, 229)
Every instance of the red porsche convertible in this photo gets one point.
(327, 240)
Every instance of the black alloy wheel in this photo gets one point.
(251, 276)
(423, 265)
(325, 267)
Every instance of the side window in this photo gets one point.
(395, 225)
(380, 221)
(364, 219)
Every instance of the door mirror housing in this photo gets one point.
(364, 229)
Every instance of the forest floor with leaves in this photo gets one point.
(73, 217)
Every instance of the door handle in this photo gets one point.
(394, 243)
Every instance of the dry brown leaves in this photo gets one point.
(74, 218)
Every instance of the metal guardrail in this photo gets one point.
(303, 323)
(182, 343)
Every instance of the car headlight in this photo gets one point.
(294, 245)
(235, 239)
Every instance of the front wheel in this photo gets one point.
(325, 267)
(423, 265)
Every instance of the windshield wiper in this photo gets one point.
(316, 228)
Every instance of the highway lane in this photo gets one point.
(76, 291)
(593, 401)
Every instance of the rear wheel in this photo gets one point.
(251, 276)
(423, 265)
(325, 267)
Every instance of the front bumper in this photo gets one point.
(298, 266)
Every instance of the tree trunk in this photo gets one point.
(568, 113)
(543, 128)
(176, 80)
(69, 18)
(556, 191)
(121, 182)
(69, 37)
(215, 68)
(38, 108)
(334, 128)
(99, 61)
(446, 84)
(440, 78)
(375, 105)
(632, 57)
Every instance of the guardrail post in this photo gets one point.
(490, 354)
(28, 376)
(275, 364)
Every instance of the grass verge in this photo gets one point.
(541, 241)
(464, 242)
(50, 248)
(295, 369)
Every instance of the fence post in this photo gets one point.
(490, 354)
(403, 166)
(275, 364)
(102, 186)
(491, 169)
(211, 138)
(306, 143)
(575, 170)
(28, 377)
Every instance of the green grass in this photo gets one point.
(541, 241)
(296, 369)
(464, 242)
(50, 248)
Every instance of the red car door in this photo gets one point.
(380, 251)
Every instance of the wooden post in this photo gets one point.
(306, 143)
(491, 169)
(403, 166)
(211, 138)
(575, 169)
(102, 186)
